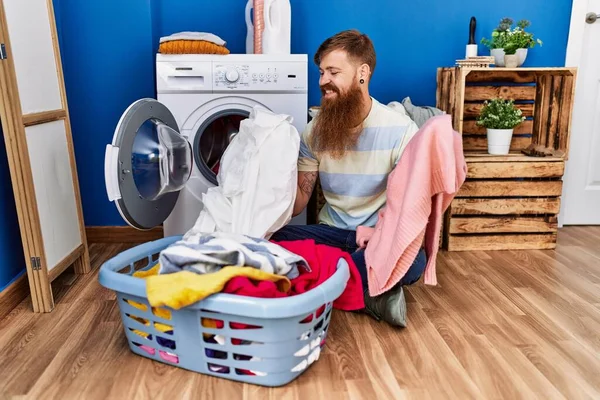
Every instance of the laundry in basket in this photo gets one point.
(265, 341)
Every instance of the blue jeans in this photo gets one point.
(346, 241)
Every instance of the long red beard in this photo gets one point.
(339, 122)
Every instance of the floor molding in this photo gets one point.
(13, 295)
(121, 234)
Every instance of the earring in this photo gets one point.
(362, 81)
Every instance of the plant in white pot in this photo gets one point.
(511, 58)
(499, 117)
(503, 35)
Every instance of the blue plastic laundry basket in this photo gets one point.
(267, 342)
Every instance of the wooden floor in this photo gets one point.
(507, 325)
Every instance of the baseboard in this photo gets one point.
(121, 234)
(13, 295)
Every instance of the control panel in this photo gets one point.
(204, 73)
(260, 76)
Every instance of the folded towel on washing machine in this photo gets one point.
(192, 43)
(257, 180)
(212, 252)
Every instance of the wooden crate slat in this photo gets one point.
(446, 93)
(481, 93)
(503, 225)
(564, 120)
(453, 87)
(508, 206)
(442, 94)
(470, 127)
(502, 242)
(472, 110)
(471, 143)
(501, 75)
(542, 108)
(545, 169)
(493, 188)
(479, 157)
(555, 96)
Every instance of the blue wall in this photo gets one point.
(108, 50)
(11, 249)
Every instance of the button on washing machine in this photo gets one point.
(232, 75)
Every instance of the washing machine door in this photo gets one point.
(147, 164)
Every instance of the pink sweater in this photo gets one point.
(419, 190)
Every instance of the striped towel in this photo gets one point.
(211, 252)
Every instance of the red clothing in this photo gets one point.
(323, 261)
(243, 286)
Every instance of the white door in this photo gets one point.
(581, 189)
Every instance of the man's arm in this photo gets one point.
(306, 185)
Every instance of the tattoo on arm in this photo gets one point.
(308, 183)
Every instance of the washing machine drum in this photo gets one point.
(213, 137)
(149, 161)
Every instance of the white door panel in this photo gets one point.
(54, 191)
(581, 192)
(33, 52)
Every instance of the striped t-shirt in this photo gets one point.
(354, 186)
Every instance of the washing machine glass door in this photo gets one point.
(147, 164)
(212, 138)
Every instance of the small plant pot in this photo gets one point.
(499, 141)
(498, 55)
(511, 60)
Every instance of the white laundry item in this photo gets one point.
(314, 356)
(301, 365)
(209, 37)
(305, 335)
(303, 351)
(257, 180)
(220, 339)
(315, 342)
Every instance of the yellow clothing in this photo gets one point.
(181, 289)
(143, 274)
(159, 312)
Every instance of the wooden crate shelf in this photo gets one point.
(508, 202)
(545, 95)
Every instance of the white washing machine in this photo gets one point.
(165, 152)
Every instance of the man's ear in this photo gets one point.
(364, 72)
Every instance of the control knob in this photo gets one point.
(232, 75)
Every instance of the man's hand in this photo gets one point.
(306, 185)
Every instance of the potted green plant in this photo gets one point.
(499, 117)
(511, 59)
(504, 35)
